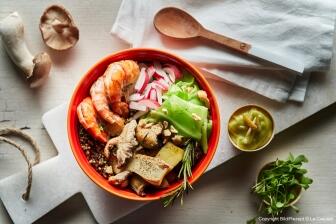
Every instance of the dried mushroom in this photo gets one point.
(170, 134)
(121, 179)
(58, 29)
(114, 163)
(138, 185)
(147, 133)
(35, 68)
(178, 140)
(124, 143)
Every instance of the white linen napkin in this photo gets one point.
(301, 29)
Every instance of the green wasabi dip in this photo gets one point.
(250, 128)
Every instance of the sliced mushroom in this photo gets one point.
(138, 185)
(120, 179)
(58, 29)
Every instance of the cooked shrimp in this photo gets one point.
(115, 123)
(88, 117)
(114, 80)
(118, 77)
(120, 108)
(131, 69)
(107, 93)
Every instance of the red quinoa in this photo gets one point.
(93, 150)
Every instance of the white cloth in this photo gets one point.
(302, 29)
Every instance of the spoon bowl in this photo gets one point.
(176, 23)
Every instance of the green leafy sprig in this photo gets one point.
(184, 173)
(279, 184)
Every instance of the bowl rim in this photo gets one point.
(268, 141)
(200, 78)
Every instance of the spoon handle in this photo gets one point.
(285, 62)
(226, 41)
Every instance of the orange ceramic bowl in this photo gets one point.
(82, 91)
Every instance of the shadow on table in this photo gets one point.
(75, 208)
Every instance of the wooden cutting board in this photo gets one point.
(58, 178)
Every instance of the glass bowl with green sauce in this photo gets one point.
(251, 128)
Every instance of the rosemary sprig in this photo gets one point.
(185, 172)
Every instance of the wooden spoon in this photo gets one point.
(176, 23)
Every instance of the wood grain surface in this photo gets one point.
(223, 194)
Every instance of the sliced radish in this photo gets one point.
(136, 97)
(151, 104)
(137, 106)
(152, 94)
(138, 115)
(147, 90)
(142, 81)
(170, 73)
(160, 73)
(157, 76)
(162, 85)
(158, 94)
(150, 71)
(177, 71)
(156, 85)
